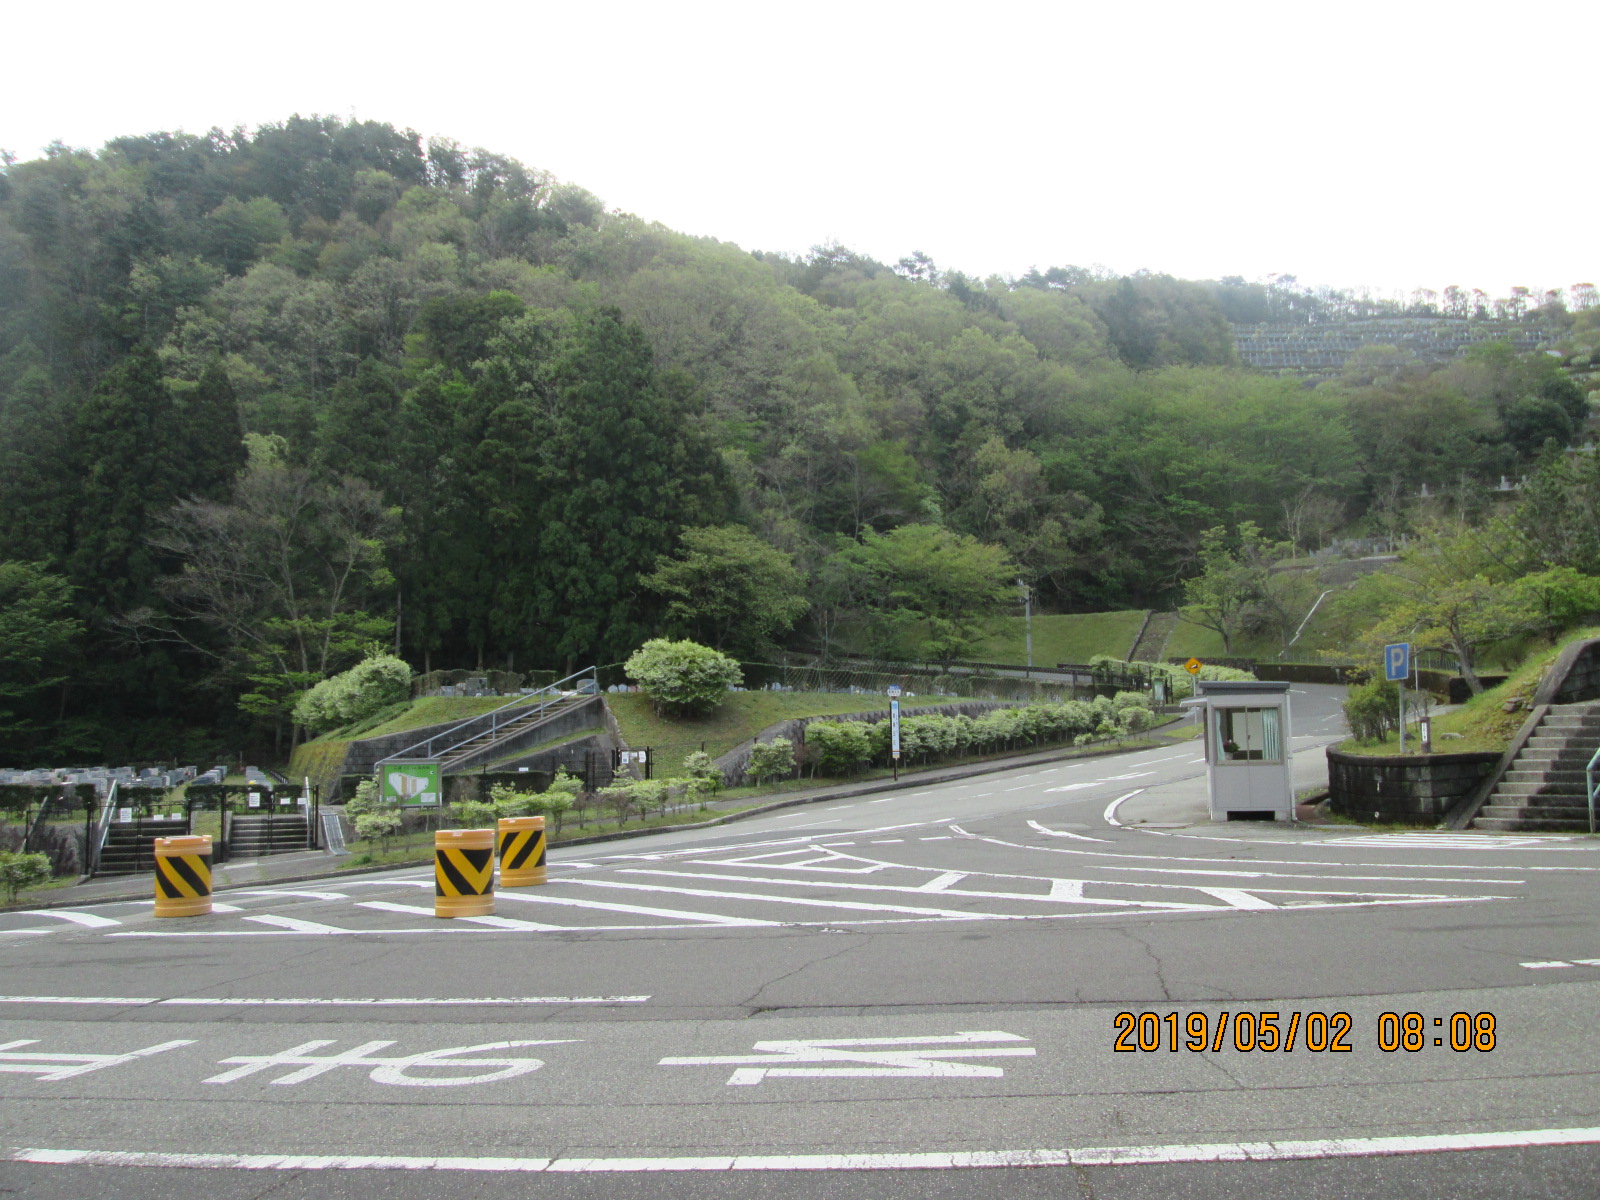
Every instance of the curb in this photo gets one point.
(918, 779)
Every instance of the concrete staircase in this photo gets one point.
(1545, 788)
(490, 744)
(256, 837)
(1152, 643)
(130, 845)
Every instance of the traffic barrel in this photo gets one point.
(463, 873)
(183, 876)
(521, 851)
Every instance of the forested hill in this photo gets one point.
(269, 396)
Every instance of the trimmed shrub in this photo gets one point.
(683, 678)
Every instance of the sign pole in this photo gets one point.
(894, 730)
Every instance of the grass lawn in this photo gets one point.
(742, 716)
(1061, 638)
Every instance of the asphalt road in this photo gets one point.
(918, 993)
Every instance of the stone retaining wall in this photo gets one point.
(1410, 789)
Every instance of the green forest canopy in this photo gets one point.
(268, 395)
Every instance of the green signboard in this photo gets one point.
(412, 784)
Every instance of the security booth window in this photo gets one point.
(1249, 735)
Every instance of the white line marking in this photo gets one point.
(797, 900)
(680, 914)
(832, 885)
(1283, 1151)
(1110, 815)
(293, 924)
(394, 1001)
(118, 1000)
(1070, 890)
(1577, 962)
(940, 882)
(288, 892)
(1062, 833)
(1234, 898)
(89, 920)
(419, 910)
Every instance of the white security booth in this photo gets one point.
(1246, 730)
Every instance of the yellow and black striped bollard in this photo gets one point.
(463, 873)
(521, 851)
(183, 876)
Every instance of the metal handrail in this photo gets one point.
(1593, 773)
(553, 690)
(103, 827)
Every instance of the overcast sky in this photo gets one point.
(1393, 145)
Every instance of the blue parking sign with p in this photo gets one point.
(1397, 662)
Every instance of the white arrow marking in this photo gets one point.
(1062, 833)
(880, 1063)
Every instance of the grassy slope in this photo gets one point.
(1064, 638)
(320, 757)
(1482, 722)
(744, 715)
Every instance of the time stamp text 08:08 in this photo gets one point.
(1286, 1032)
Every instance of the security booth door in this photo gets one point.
(1247, 735)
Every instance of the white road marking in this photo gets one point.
(287, 892)
(1062, 833)
(496, 922)
(1576, 962)
(940, 882)
(907, 889)
(777, 1059)
(295, 924)
(388, 1070)
(89, 920)
(1234, 898)
(52, 1067)
(394, 1001)
(796, 900)
(1098, 1156)
(1110, 815)
(679, 914)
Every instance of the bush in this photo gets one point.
(704, 774)
(376, 682)
(770, 760)
(839, 747)
(379, 826)
(19, 872)
(683, 678)
(1372, 710)
(476, 814)
(368, 799)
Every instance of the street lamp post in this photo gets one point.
(1027, 619)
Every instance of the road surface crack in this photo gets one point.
(753, 1001)
(1161, 977)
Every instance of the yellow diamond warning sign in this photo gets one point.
(1193, 666)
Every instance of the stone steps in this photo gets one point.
(1546, 789)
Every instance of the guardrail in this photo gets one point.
(1593, 773)
(102, 830)
(427, 747)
